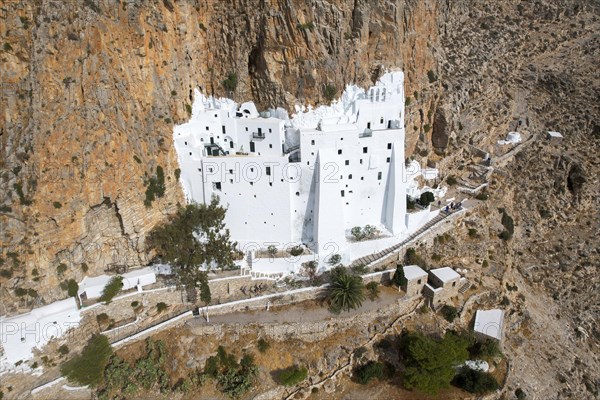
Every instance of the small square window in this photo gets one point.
(342, 193)
(362, 178)
(350, 176)
(269, 130)
(270, 183)
(379, 174)
(217, 185)
(270, 146)
(419, 281)
(365, 149)
(361, 160)
(388, 159)
(389, 146)
(231, 171)
(381, 120)
(231, 181)
(186, 143)
(340, 151)
(312, 142)
(297, 193)
(268, 170)
(251, 169)
(347, 162)
(207, 128)
(246, 129)
(251, 183)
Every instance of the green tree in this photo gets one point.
(368, 371)
(449, 312)
(347, 292)
(329, 92)
(72, 287)
(194, 239)
(474, 381)
(399, 279)
(426, 198)
(429, 363)
(111, 289)
(334, 259)
(357, 233)
(88, 367)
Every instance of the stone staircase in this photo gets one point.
(366, 260)
(464, 287)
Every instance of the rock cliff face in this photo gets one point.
(91, 91)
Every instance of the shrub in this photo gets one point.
(426, 128)
(88, 367)
(111, 289)
(399, 279)
(102, 318)
(329, 92)
(230, 83)
(485, 349)
(410, 203)
(431, 76)
(508, 224)
(6, 273)
(429, 363)
(160, 307)
(520, 394)
(296, 251)
(64, 349)
(482, 196)
(426, 198)
(72, 287)
(61, 269)
(84, 267)
(372, 290)
(134, 304)
(474, 381)
(412, 258)
(368, 371)
(305, 26)
(357, 233)
(57, 204)
(407, 101)
(155, 186)
(472, 232)
(334, 259)
(263, 345)
(449, 312)
(272, 250)
(20, 292)
(292, 376)
(451, 180)
(359, 269)
(177, 173)
(359, 352)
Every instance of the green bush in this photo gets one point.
(520, 394)
(64, 349)
(411, 257)
(368, 371)
(84, 267)
(233, 378)
(135, 303)
(111, 289)
(451, 180)
(485, 349)
(177, 173)
(160, 307)
(431, 76)
(20, 292)
(429, 363)
(449, 312)
(372, 290)
(57, 204)
(329, 92)
(61, 269)
(230, 83)
(292, 376)
(6, 273)
(72, 287)
(474, 381)
(102, 318)
(88, 367)
(472, 232)
(305, 26)
(334, 259)
(508, 224)
(399, 279)
(155, 186)
(426, 198)
(263, 345)
(482, 196)
(296, 251)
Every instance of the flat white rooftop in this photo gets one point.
(555, 134)
(445, 274)
(489, 323)
(412, 272)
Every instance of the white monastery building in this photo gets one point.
(307, 179)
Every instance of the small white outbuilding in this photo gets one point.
(92, 287)
(489, 323)
(554, 137)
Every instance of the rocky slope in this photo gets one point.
(91, 90)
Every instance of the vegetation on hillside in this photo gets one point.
(193, 240)
(111, 289)
(87, 368)
(346, 291)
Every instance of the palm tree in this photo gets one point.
(347, 292)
